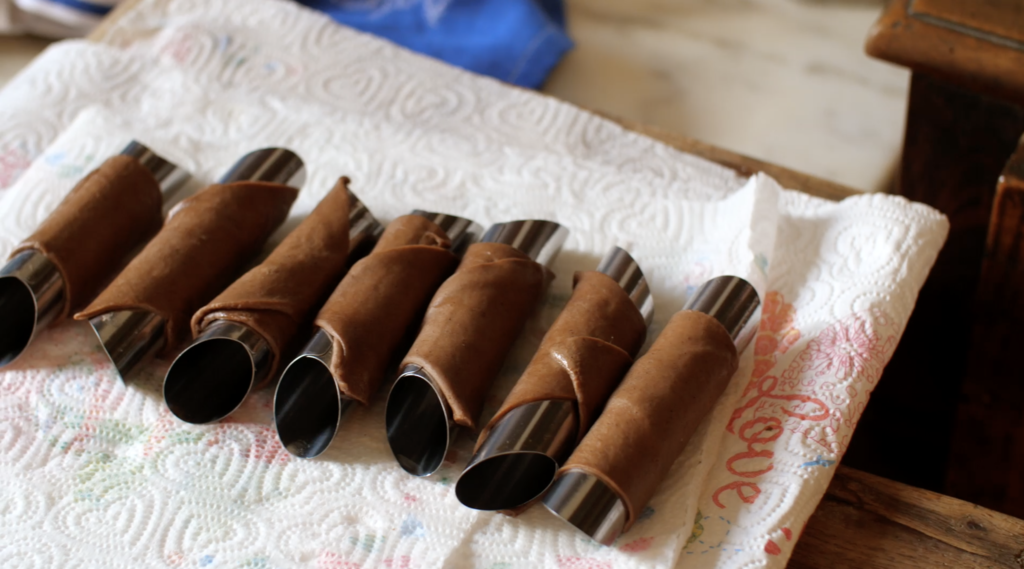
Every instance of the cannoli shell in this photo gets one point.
(205, 241)
(585, 352)
(383, 294)
(278, 296)
(106, 216)
(653, 414)
(472, 322)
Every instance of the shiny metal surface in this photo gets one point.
(170, 176)
(540, 239)
(461, 231)
(31, 296)
(129, 338)
(517, 461)
(586, 502)
(620, 265)
(214, 375)
(277, 165)
(733, 302)
(363, 228)
(419, 422)
(308, 404)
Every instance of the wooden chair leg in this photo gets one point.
(987, 456)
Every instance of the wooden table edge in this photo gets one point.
(971, 61)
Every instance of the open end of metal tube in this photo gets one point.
(31, 296)
(586, 502)
(505, 481)
(308, 408)
(17, 318)
(209, 380)
(517, 461)
(417, 424)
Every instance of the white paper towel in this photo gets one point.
(99, 474)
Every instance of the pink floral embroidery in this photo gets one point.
(849, 348)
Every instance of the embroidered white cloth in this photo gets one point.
(94, 473)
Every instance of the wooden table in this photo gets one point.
(957, 365)
(866, 521)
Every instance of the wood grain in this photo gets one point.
(961, 41)
(866, 521)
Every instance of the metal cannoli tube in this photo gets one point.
(82, 244)
(581, 360)
(205, 242)
(362, 324)
(467, 332)
(241, 336)
(652, 415)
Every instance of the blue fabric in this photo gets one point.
(517, 41)
(87, 7)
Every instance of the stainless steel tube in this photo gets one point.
(309, 405)
(416, 409)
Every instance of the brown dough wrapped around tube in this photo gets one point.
(383, 294)
(105, 217)
(206, 240)
(276, 297)
(653, 414)
(585, 352)
(472, 322)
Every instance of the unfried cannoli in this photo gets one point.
(242, 335)
(206, 240)
(361, 326)
(579, 363)
(652, 415)
(468, 330)
(82, 244)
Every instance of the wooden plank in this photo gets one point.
(866, 521)
(944, 40)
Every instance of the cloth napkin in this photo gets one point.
(99, 474)
(517, 41)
